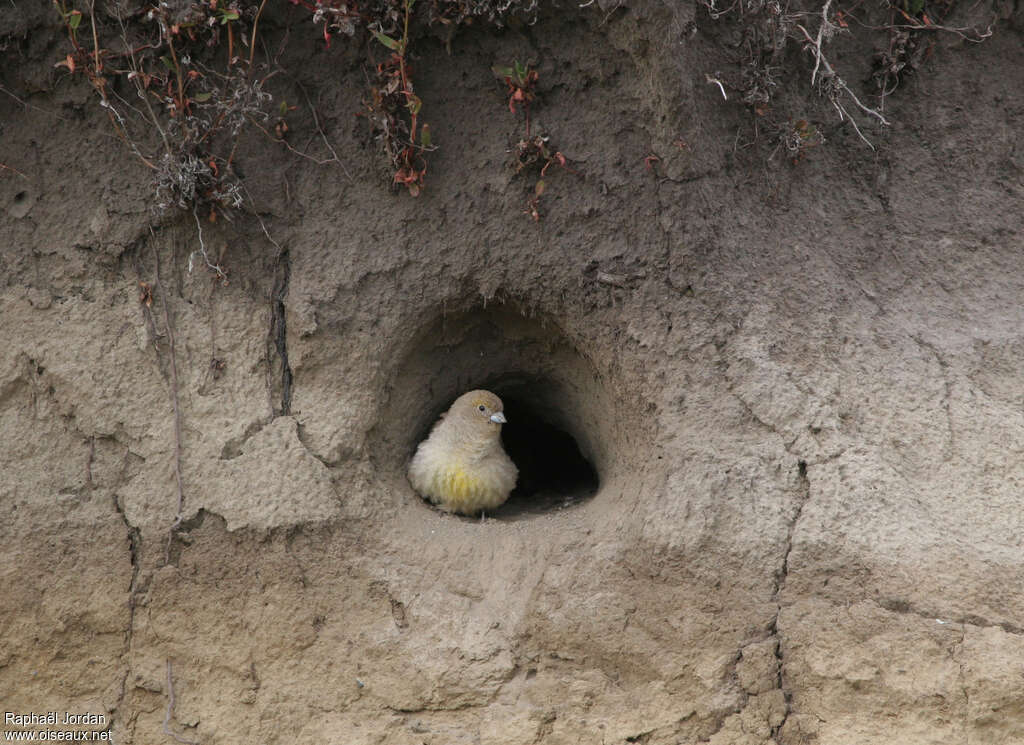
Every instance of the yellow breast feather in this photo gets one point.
(459, 490)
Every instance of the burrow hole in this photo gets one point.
(561, 428)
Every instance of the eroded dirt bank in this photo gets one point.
(799, 385)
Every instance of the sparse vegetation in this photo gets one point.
(199, 82)
(769, 29)
(199, 72)
(521, 80)
(533, 153)
(197, 85)
(394, 109)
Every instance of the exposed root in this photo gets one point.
(174, 400)
(170, 711)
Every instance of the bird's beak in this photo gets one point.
(498, 418)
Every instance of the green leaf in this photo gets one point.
(425, 136)
(521, 71)
(228, 15)
(284, 108)
(202, 97)
(388, 41)
(167, 62)
(414, 104)
(539, 188)
(504, 72)
(74, 19)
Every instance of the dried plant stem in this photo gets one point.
(137, 79)
(95, 36)
(255, 27)
(177, 74)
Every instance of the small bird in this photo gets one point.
(461, 467)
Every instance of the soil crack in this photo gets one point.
(780, 583)
(277, 335)
(906, 608)
(135, 552)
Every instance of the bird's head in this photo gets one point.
(479, 411)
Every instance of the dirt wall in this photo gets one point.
(798, 383)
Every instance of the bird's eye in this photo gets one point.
(482, 407)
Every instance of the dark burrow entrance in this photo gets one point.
(553, 474)
(561, 430)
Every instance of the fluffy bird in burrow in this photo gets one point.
(462, 467)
